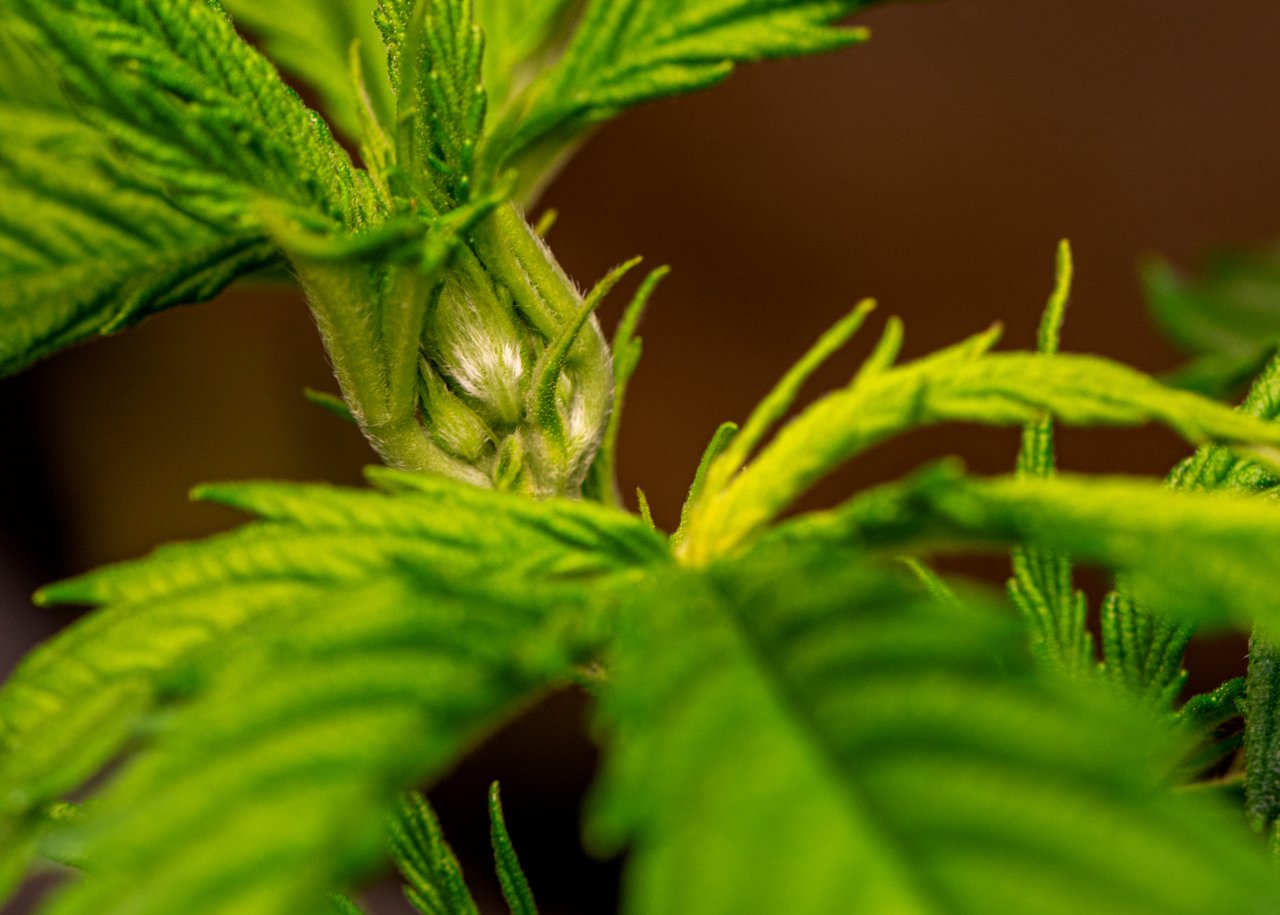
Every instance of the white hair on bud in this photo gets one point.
(582, 425)
(487, 369)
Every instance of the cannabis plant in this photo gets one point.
(797, 715)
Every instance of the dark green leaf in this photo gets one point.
(1228, 316)
(433, 876)
(515, 888)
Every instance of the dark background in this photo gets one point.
(934, 168)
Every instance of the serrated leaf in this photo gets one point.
(433, 876)
(1042, 586)
(515, 886)
(803, 734)
(87, 247)
(313, 39)
(962, 383)
(192, 106)
(624, 53)
(273, 787)
(436, 51)
(1211, 558)
(143, 188)
(1143, 647)
(80, 698)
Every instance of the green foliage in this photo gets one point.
(1042, 585)
(1144, 648)
(520, 38)
(965, 382)
(313, 40)
(433, 877)
(1227, 317)
(435, 50)
(144, 188)
(434, 883)
(624, 53)
(192, 105)
(103, 248)
(515, 887)
(1210, 558)
(791, 729)
(433, 552)
(792, 720)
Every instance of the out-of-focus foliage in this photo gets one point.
(798, 728)
(1227, 316)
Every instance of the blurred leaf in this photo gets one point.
(1228, 316)
(1211, 558)
(186, 621)
(792, 730)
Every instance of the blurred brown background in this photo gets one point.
(934, 168)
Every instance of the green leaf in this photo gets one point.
(515, 887)
(82, 697)
(625, 349)
(344, 906)
(1262, 733)
(1210, 558)
(436, 50)
(962, 383)
(1228, 316)
(519, 36)
(273, 786)
(87, 247)
(23, 76)
(933, 584)
(624, 53)
(429, 866)
(1143, 647)
(313, 39)
(146, 187)
(720, 441)
(192, 106)
(779, 728)
(1042, 586)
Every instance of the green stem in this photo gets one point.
(341, 298)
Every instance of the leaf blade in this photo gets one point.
(811, 672)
